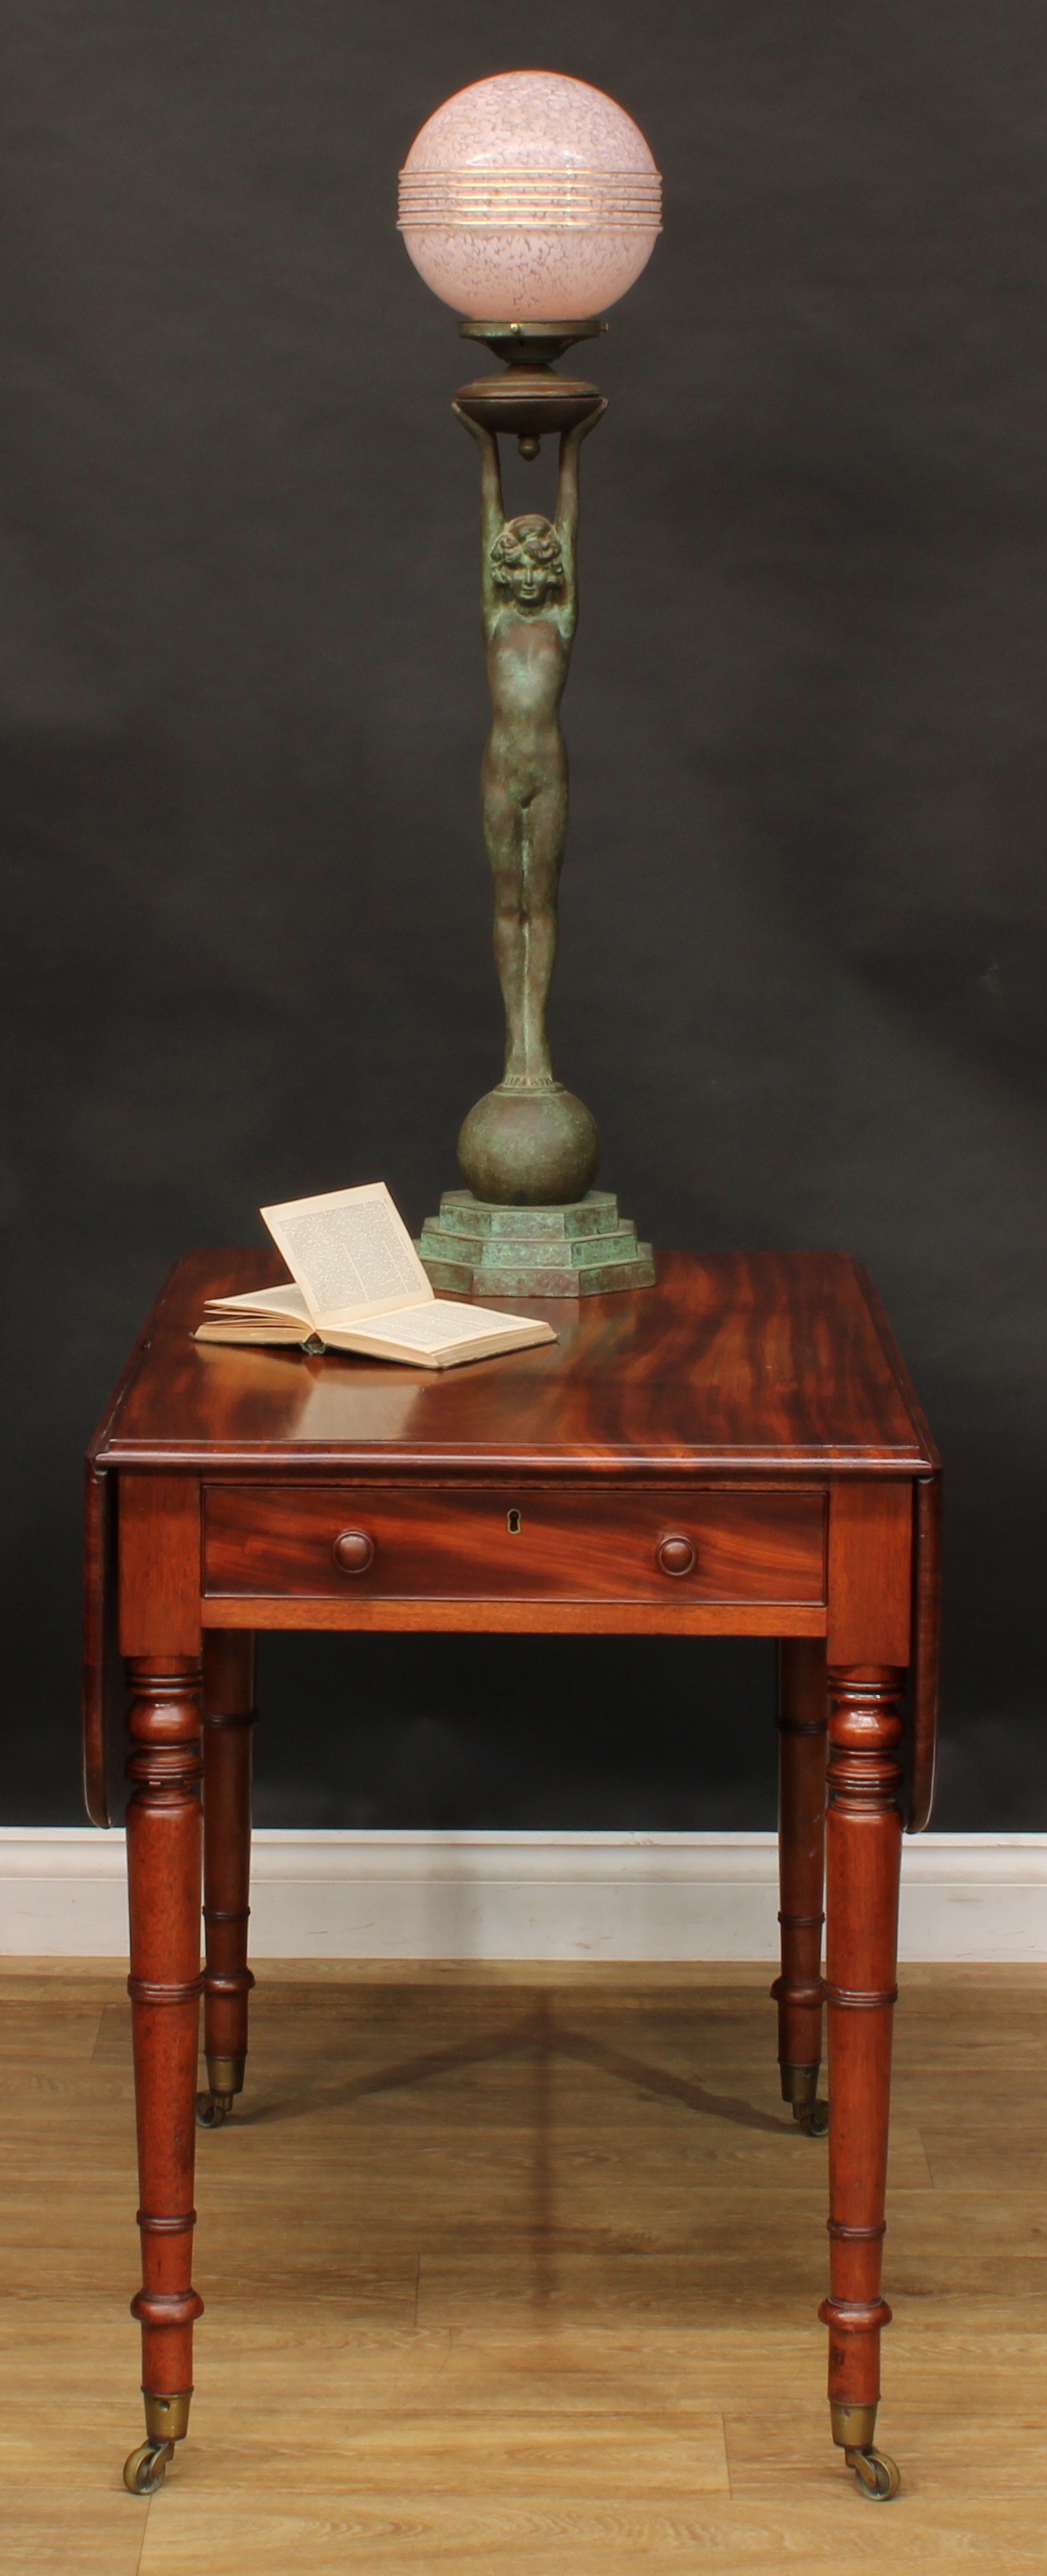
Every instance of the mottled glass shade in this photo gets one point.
(530, 198)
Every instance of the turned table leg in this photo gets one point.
(229, 1717)
(863, 1843)
(802, 1719)
(163, 1869)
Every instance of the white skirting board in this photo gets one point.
(570, 1896)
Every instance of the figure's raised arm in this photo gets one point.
(567, 502)
(492, 506)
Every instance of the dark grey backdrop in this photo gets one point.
(247, 921)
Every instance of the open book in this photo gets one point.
(358, 1285)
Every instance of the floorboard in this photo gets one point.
(519, 2268)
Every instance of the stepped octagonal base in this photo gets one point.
(582, 1249)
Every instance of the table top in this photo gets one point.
(734, 1362)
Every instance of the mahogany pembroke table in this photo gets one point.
(736, 1451)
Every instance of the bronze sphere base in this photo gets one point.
(529, 1147)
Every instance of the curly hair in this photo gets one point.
(530, 539)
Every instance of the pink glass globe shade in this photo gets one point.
(530, 198)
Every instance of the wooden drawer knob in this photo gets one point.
(354, 1551)
(676, 1555)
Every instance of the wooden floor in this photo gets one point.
(516, 2270)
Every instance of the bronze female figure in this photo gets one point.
(530, 610)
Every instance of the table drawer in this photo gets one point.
(318, 1541)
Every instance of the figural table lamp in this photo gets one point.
(525, 199)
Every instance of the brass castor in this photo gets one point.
(213, 2109)
(800, 2088)
(146, 2468)
(875, 2474)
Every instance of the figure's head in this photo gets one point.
(528, 560)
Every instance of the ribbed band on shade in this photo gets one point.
(534, 200)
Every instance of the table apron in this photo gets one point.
(772, 1563)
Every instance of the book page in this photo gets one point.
(271, 1303)
(351, 1254)
(435, 1327)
